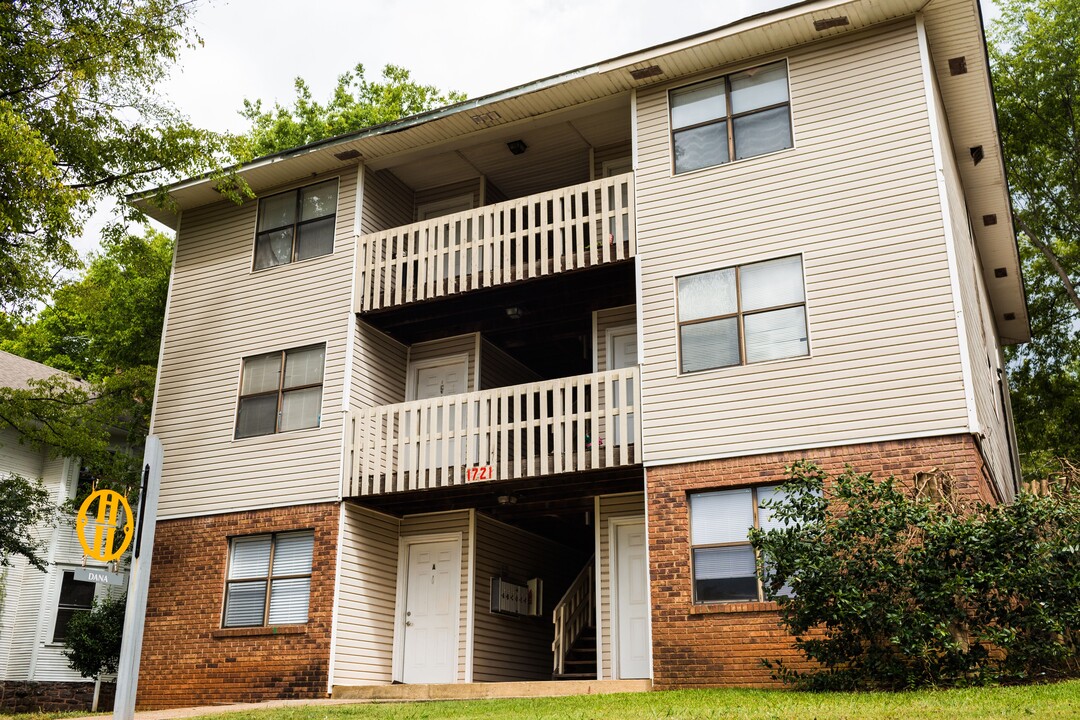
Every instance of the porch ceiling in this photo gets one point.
(554, 506)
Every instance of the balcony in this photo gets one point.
(544, 428)
(572, 228)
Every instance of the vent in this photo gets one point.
(989, 220)
(1010, 316)
(958, 65)
(646, 72)
(488, 118)
(827, 23)
(347, 155)
(1001, 272)
(976, 154)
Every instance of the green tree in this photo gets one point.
(92, 642)
(25, 506)
(79, 121)
(355, 103)
(1035, 59)
(104, 328)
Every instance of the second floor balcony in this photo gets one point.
(571, 228)
(543, 428)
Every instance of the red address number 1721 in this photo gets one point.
(479, 473)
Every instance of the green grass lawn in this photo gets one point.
(1061, 700)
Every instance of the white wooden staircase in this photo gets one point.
(574, 647)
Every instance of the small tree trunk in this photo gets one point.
(97, 693)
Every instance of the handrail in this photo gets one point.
(541, 428)
(565, 229)
(573, 613)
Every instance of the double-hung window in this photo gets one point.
(296, 225)
(269, 579)
(737, 116)
(724, 562)
(280, 391)
(742, 314)
(75, 596)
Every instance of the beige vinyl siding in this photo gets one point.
(981, 335)
(508, 648)
(447, 192)
(498, 369)
(493, 194)
(610, 153)
(221, 311)
(857, 199)
(378, 376)
(456, 521)
(388, 202)
(367, 598)
(445, 348)
(608, 319)
(611, 506)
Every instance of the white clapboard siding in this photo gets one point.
(981, 334)
(388, 202)
(541, 428)
(611, 506)
(508, 648)
(378, 375)
(456, 521)
(499, 369)
(857, 199)
(573, 227)
(367, 598)
(221, 311)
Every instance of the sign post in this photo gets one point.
(127, 672)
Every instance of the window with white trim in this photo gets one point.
(296, 225)
(269, 580)
(280, 391)
(75, 596)
(723, 561)
(742, 314)
(736, 116)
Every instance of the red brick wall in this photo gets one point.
(723, 643)
(188, 659)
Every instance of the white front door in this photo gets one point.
(622, 353)
(632, 600)
(433, 580)
(432, 380)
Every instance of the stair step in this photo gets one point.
(575, 676)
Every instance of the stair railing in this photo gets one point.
(574, 612)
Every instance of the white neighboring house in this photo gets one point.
(35, 606)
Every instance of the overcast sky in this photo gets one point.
(255, 48)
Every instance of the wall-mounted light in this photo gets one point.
(507, 499)
(514, 313)
(517, 146)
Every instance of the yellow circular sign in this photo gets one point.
(103, 546)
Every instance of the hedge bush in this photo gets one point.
(895, 589)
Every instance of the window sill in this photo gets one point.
(734, 607)
(259, 631)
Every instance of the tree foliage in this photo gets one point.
(92, 643)
(355, 103)
(1035, 58)
(79, 122)
(25, 506)
(104, 328)
(896, 591)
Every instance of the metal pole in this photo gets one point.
(127, 674)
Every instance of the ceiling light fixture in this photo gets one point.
(517, 146)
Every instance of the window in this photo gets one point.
(75, 596)
(274, 401)
(723, 560)
(296, 225)
(742, 314)
(280, 563)
(737, 116)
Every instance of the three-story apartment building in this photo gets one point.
(543, 354)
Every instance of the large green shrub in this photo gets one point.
(894, 589)
(92, 644)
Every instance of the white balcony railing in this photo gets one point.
(566, 229)
(542, 428)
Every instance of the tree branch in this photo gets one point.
(1052, 258)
